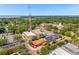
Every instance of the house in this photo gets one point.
(43, 24)
(72, 33)
(59, 26)
(27, 35)
(8, 38)
(77, 44)
(52, 37)
(37, 43)
(47, 33)
(66, 38)
(37, 31)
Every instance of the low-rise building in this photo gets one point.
(52, 37)
(8, 38)
(37, 31)
(27, 35)
(72, 48)
(66, 38)
(77, 44)
(59, 26)
(37, 43)
(68, 49)
(59, 51)
(47, 33)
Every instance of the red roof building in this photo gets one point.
(37, 43)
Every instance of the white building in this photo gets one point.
(59, 51)
(27, 35)
(68, 49)
(37, 31)
(59, 26)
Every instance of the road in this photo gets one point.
(11, 45)
(8, 38)
(32, 50)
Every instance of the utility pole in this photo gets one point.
(30, 26)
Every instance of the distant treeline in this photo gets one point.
(19, 25)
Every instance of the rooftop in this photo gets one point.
(59, 51)
(37, 31)
(68, 49)
(72, 48)
(77, 43)
(37, 42)
(52, 37)
(29, 33)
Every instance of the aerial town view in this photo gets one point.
(39, 29)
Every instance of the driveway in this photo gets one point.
(32, 50)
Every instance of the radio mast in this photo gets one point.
(30, 26)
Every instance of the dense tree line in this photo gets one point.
(18, 25)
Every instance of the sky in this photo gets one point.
(39, 9)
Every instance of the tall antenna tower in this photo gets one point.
(30, 26)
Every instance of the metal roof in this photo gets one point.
(51, 37)
(72, 48)
(59, 51)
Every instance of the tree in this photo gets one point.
(53, 46)
(55, 30)
(21, 28)
(4, 52)
(19, 48)
(30, 42)
(2, 42)
(61, 43)
(2, 29)
(40, 36)
(12, 28)
(33, 38)
(45, 50)
(75, 38)
(18, 37)
(67, 33)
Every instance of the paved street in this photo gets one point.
(32, 50)
(8, 37)
(11, 45)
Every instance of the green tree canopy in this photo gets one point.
(3, 52)
(18, 37)
(2, 42)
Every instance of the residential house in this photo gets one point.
(47, 33)
(37, 43)
(66, 38)
(59, 26)
(53, 37)
(76, 44)
(37, 31)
